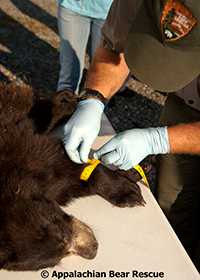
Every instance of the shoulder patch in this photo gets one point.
(176, 20)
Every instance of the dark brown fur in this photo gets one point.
(36, 177)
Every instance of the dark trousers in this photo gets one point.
(179, 183)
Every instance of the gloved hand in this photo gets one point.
(82, 129)
(127, 149)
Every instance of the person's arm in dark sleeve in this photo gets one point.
(109, 70)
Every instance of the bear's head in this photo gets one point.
(35, 233)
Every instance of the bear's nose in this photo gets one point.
(84, 242)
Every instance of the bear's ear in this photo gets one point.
(47, 113)
(64, 104)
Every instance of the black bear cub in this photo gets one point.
(36, 177)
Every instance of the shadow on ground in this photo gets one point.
(30, 58)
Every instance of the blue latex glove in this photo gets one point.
(130, 147)
(82, 129)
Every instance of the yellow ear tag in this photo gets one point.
(140, 170)
(87, 171)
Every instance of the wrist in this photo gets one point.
(159, 140)
(92, 94)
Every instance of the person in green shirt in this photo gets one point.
(159, 43)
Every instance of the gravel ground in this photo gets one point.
(29, 54)
(29, 43)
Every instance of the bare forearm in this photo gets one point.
(185, 138)
(107, 72)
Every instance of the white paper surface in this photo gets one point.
(129, 239)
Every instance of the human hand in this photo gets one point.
(82, 129)
(127, 149)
